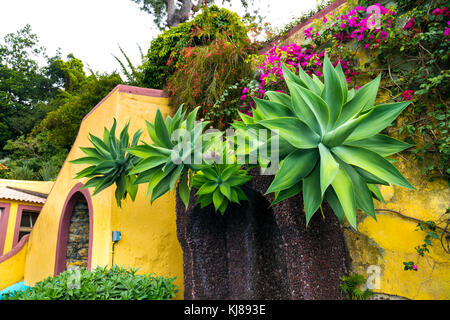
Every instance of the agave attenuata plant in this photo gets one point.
(175, 153)
(110, 163)
(332, 148)
(219, 181)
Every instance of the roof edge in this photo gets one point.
(155, 93)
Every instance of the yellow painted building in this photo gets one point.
(148, 231)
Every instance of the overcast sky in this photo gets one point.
(92, 29)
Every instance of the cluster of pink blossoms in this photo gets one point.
(445, 13)
(363, 24)
(292, 56)
(407, 94)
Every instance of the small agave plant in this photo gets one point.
(220, 181)
(110, 163)
(330, 146)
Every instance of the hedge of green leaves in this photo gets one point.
(115, 283)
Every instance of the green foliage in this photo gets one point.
(24, 86)
(63, 123)
(115, 283)
(165, 50)
(41, 107)
(430, 230)
(128, 69)
(110, 163)
(351, 287)
(333, 141)
(205, 74)
(33, 158)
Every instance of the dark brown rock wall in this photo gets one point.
(255, 251)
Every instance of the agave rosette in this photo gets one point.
(219, 181)
(334, 150)
(177, 145)
(110, 163)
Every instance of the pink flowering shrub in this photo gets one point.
(270, 73)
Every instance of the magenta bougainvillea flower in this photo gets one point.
(410, 24)
(407, 94)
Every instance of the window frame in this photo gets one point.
(20, 209)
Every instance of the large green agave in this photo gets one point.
(178, 144)
(330, 146)
(110, 163)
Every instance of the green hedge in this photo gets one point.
(115, 283)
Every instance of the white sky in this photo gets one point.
(92, 29)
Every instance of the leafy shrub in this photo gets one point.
(205, 73)
(165, 51)
(115, 283)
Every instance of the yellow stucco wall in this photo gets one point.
(12, 269)
(149, 240)
(391, 240)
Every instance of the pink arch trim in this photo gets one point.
(64, 223)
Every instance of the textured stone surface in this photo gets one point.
(78, 241)
(255, 251)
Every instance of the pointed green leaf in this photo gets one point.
(301, 108)
(184, 191)
(293, 169)
(217, 199)
(287, 193)
(87, 160)
(309, 82)
(312, 196)
(328, 168)
(362, 193)
(380, 117)
(337, 136)
(334, 203)
(148, 163)
(207, 188)
(280, 98)
(225, 189)
(363, 99)
(371, 162)
(317, 105)
(381, 144)
(333, 91)
(161, 130)
(294, 131)
(270, 109)
(376, 192)
(342, 185)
